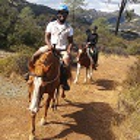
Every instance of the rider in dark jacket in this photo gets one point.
(92, 40)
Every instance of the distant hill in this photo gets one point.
(37, 9)
(90, 15)
(85, 16)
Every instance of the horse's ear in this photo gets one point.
(31, 66)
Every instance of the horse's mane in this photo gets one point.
(42, 63)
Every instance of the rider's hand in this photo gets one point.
(32, 60)
(50, 48)
(68, 50)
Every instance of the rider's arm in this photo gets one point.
(48, 32)
(47, 40)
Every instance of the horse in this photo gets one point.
(84, 60)
(44, 78)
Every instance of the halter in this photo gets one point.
(42, 76)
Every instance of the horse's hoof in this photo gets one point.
(43, 121)
(92, 81)
(54, 107)
(32, 137)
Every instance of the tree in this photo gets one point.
(8, 18)
(129, 14)
(26, 30)
(73, 6)
(121, 10)
(122, 7)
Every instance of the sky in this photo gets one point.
(102, 5)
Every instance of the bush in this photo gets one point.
(22, 49)
(133, 78)
(134, 47)
(131, 98)
(16, 64)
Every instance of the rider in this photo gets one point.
(92, 51)
(59, 36)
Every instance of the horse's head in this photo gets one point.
(81, 51)
(45, 71)
(83, 58)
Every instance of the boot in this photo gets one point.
(64, 77)
(65, 85)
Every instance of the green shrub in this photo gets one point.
(16, 64)
(22, 49)
(134, 47)
(133, 78)
(131, 97)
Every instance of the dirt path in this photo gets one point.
(87, 113)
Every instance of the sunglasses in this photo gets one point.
(64, 13)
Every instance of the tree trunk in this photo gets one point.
(123, 4)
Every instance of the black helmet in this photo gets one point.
(88, 30)
(95, 27)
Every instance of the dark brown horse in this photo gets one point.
(84, 60)
(44, 78)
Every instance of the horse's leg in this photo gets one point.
(57, 96)
(55, 99)
(86, 74)
(30, 90)
(63, 93)
(91, 73)
(77, 73)
(47, 104)
(29, 96)
(32, 135)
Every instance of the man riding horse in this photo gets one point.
(47, 71)
(59, 37)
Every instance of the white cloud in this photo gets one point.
(49, 3)
(102, 5)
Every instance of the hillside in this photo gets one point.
(37, 9)
(89, 112)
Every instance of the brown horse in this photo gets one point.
(84, 60)
(44, 78)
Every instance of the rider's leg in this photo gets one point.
(65, 71)
(90, 57)
(95, 56)
(90, 53)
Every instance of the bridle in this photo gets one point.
(44, 77)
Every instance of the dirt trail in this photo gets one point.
(87, 113)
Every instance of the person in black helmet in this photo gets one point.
(92, 51)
